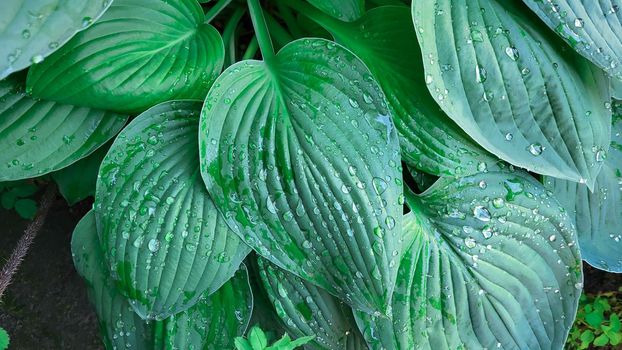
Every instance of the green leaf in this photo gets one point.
(514, 87)
(598, 214)
(601, 340)
(39, 136)
(164, 239)
(257, 338)
(592, 28)
(385, 40)
(4, 339)
(493, 264)
(30, 30)
(139, 53)
(24, 189)
(307, 310)
(7, 200)
(212, 323)
(345, 10)
(587, 336)
(26, 208)
(306, 170)
(242, 344)
(77, 181)
(595, 319)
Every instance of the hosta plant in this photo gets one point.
(343, 174)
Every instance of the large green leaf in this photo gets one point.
(591, 27)
(514, 87)
(165, 242)
(384, 38)
(139, 53)
(40, 136)
(598, 214)
(213, 323)
(306, 309)
(346, 10)
(493, 265)
(77, 181)
(30, 30)
(301, 156)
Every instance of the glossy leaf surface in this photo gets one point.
(592, 28)
(514, 87)
(346, 10)
(384, 38)
(493, 264)
(30, 30)
(213, 323)
(598, 214)
(301, 156)
(138, 54)
(307, 310)
(41, 136)
(165, 241)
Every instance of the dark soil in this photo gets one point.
(46, 306)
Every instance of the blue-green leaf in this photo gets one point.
(165, 241)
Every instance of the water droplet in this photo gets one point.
(469, 242)
(86, 21)
(353, 103)
(578, 23)
(552, 238)
(481, 213)
(368, 99)
(428, 79)
(25, 33)
(512, 53)
(154, 245)
(477, 36)
(535, 149)
(487, 232)
(509, 136)
(480, 74)
(390, 221)
(37, 59)
(379, 185)
(498, 203)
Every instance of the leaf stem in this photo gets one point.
(216, 9)
(261, 30)
(228, 35)
(412, 200)
(18, 254)
(329, 23)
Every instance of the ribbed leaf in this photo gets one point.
(213, 323)
(346, 10)
(30, 30)
(493, 265)
(306, 309)
(139, 53)
(164, 239)
(385, 40)
(306, 168)
(514, 87)
(592, 28)
(598, 214)
(77, 181)
(40, 136)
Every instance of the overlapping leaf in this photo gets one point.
(307, 310)
(385, 40)
(493, 264)
(301, 156)
(139, 53)
(213, 323)
(514, 87)
(598, 214)
(165, 241)
(346, 10)
(592, 28)
(32, 29)
(40, 136)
